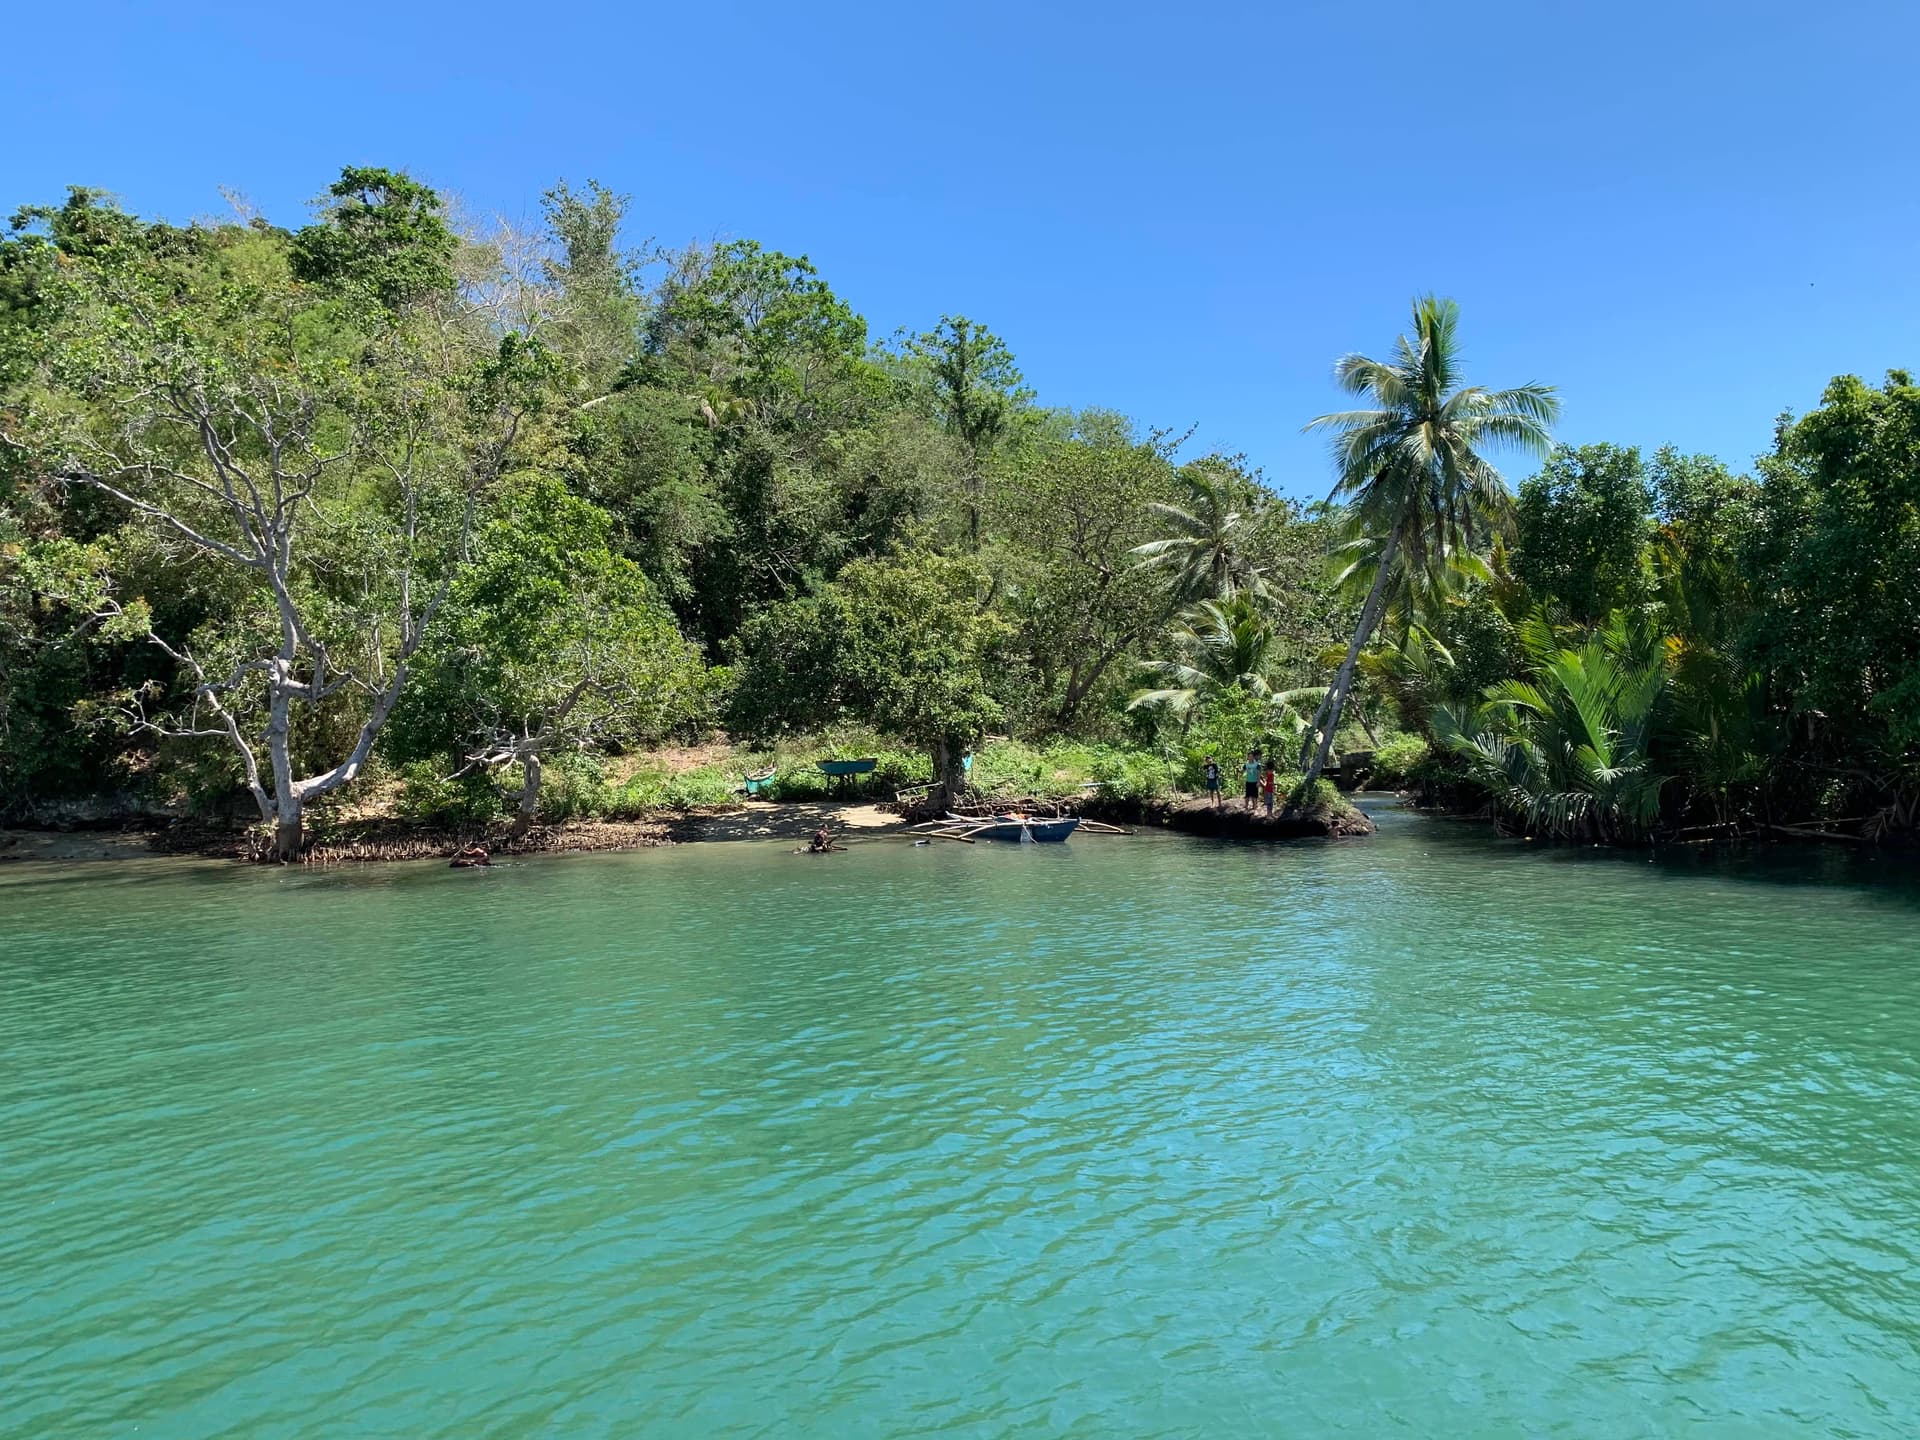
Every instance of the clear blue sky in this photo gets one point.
(1686, 216)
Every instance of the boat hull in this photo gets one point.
(1042, 832)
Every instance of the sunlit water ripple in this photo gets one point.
(1420, 1135)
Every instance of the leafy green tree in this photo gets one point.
(594, 282)
(797, 470)
(646, 457)
(1584, 523)
(973, 387)
(322, 443)
(1072, 514)
(1412, 476)
(923, 645)
(906, 643)
(1706, 517)
(741, 321)
(550, 642)
(1836, 553)
(52, 594)
(380, 232)
(788, 668)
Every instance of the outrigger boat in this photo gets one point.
(1021, 829)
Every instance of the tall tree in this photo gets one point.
(1583, 525)
(975, 391)
(596, 298)
(549, 642)
(1412, 475)
(1072, 514)
(1837, 556)
(316, 416)
(922, 645)
(740, 323)
(906, 643)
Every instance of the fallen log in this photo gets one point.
(1801, 833)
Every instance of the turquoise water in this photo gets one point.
(1420, 1135)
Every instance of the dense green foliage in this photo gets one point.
(1698, 651)
(285, 511)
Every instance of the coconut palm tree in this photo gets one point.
(1417, 489)
(1221, 646)
(1206, 555)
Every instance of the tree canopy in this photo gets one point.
(287, 513)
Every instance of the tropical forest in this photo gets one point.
(388, 514)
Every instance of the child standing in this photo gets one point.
(1250, 772)
(1266, 785)
(1213, 782)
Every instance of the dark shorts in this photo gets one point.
(1253, 789)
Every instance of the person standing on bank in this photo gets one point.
(1251, 773)
(1266, 786)
(1213, 781)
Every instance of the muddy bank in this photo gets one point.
(369, 841)
(1232, 821)
(360, 843)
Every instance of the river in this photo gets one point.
(1426, 1134)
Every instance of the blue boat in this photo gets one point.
(1017, 828)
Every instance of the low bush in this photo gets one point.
(1325, 792)
(798, 782)
(574, 786)
(429, 796)
(706, 785)
(1137, 775)
(1397, 758)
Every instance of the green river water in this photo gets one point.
(1426, 1134)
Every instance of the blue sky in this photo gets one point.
(1686, 216)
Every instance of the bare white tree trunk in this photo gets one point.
(529, 747)
(289, 827)
(264, 509)
(530, 774)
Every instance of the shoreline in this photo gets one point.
(380, 841)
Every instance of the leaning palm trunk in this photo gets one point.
(1317, 744)
(1415, 458)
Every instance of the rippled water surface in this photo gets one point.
(1419, 1135)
